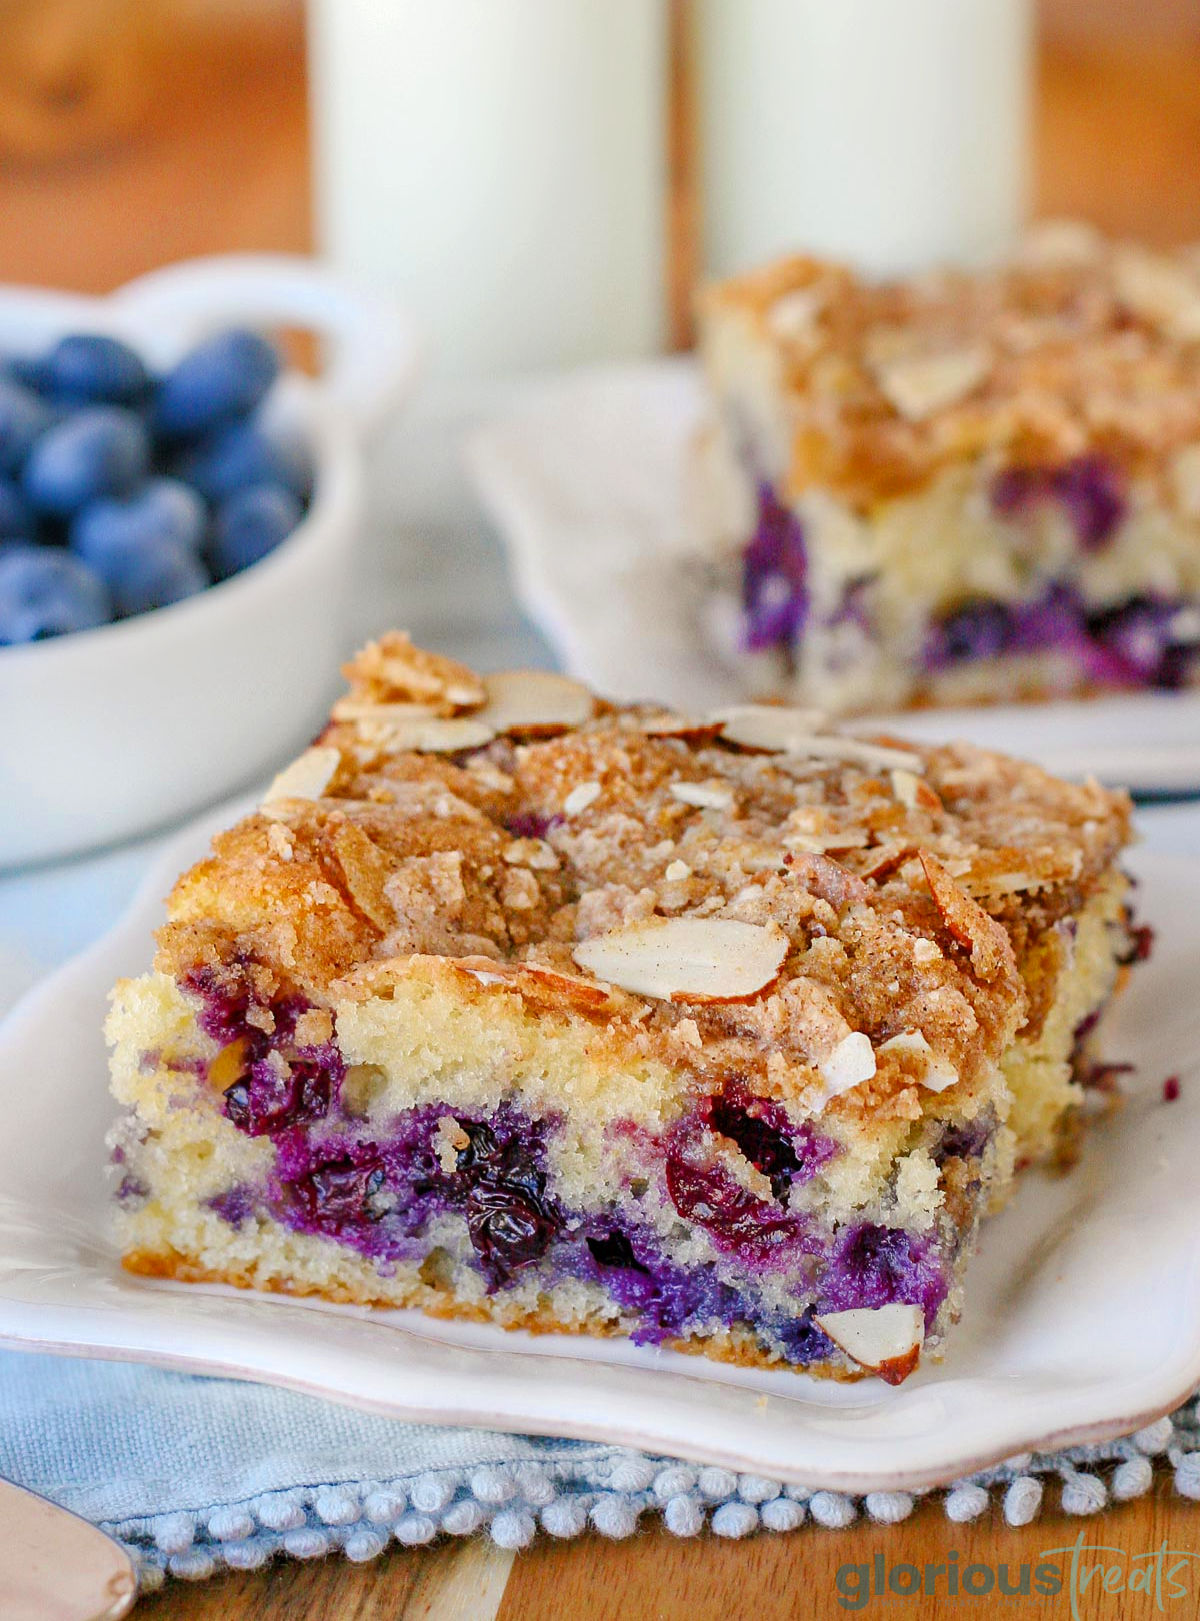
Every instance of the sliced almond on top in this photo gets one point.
(920, 386)
(669, 725)
(553, 989)
(913, 791)
(581, 796)
(365, 871)
(775, 729)
(934, 1071)
(436, 736)
(355, 709)
(822, 876)
(850, 1063)
(546, 986)
(886, 1340)
(767, 726)
(307, 777)
(986, 940)
(703, 795)
(534, 703)
(700, 959)
(1158, 289)
(889, 859)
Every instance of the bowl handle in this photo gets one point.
(372, 348)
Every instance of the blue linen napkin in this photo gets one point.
(192, 1473)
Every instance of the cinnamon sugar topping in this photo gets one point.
(724, 908)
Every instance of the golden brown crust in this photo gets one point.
(1074, 347)
(737, 1346)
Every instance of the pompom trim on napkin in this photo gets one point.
(513, 1502)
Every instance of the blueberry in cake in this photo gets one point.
(960, 487)
(718, 1032)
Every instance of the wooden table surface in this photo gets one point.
(1119, 140)
(656, 1577)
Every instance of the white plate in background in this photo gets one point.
(586, 482)
(1082, 1316)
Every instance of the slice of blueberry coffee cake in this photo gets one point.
(720, 1033)
(961, 487)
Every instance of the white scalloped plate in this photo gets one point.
(1082, 1317)
(587, 484)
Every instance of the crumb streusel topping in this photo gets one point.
(900, 883)
(1076, 346)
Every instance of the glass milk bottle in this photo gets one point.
(891, 133)
(501, 166)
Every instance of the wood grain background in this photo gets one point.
(654, 1577)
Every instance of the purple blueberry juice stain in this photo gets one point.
(665, 1300)
(270, 1096)
(966, 1140)
(1090, 490)
(774, 576)
(234, 1205)
(532, 824)
(874, 1266)
(755, 1232)
(1139, 644)
(978, 630)
(614, 1249)
(378, 1197)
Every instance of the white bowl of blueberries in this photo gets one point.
(177, 517)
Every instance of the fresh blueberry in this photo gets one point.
(16, 520)
(783, 1152)
(153, 574)
(107, 532)
(342, 1192)
(251, 524)
(88, 368)
(267, 1102)
(28, 370)
(44, 591)
(224, 377)
(981, 629)
(101, 450)
(509, 1223)
(244, 453)
(23, 418)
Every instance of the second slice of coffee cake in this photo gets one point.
(719, 1032)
